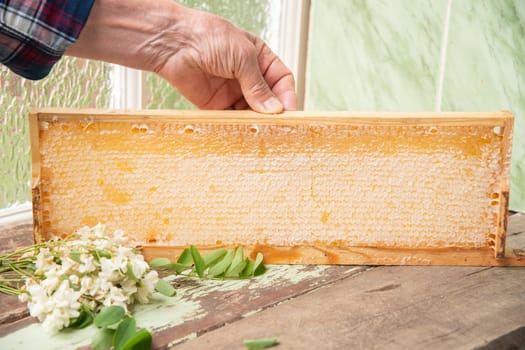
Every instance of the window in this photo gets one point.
(73, 83)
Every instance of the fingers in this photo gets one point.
(288, 99)
(284, 89)
(229, 68)
(254, 87)
(278, 76)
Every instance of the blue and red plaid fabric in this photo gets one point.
(35, 34)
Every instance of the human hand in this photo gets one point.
(208, 60)
(219, 66)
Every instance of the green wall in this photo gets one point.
(384, 55)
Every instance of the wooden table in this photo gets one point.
(317, 307)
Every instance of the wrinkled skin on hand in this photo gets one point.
(222, 67)
(211, 62)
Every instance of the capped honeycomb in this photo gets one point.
(394, 183)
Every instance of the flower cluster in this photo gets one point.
(87, 270)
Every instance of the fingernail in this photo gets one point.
(273, 105)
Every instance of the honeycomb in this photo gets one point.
(174, 182)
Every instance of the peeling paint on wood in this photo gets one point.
(200, 305)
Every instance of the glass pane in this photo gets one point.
(255, 16)
(73, 83)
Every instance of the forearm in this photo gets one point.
(131, 32)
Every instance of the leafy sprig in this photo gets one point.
(259, 344)
(218, 264)
(16, 267)
(119, 331)
(118, 327)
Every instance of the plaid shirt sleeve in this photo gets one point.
(35, 34)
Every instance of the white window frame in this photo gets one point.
(292, 48)
(126, 90)
(127, 94)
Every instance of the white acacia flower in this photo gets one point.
(23, 297)
(34, 290)
(86, 283)
(50, 284)
(43, 259)
(88, 264)
(99, 230)
(116, 297)
(90, 267)
(54, 310)
(119, 237)
(110, 269)
(138, 266)
(66, 266)
(74, 279)
(129, 288)
(147, 286)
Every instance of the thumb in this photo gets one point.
(255, 89)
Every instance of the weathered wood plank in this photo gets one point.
(516, 234)
(383, 307)
(199, 306)
(390, 307)
(512, 340)
(13, 237)
(395, 308)
(516, 224)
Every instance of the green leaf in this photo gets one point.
(109, 315)
(178, 268)
(185, 257)
(258, 344)
(165, 263)
(248, 268)
(165, 288)
(129, 272)
(221, 266)
(197, 259)
(213, 257)
(75, 256)
(84, 319)
(102, 253)
(125, 331)
(237, 264)
(103, 340)
(261, 269)
(140, 341)
(258, 260)
(159, 262)
(258, 268)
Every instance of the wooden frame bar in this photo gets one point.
(252, 135)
